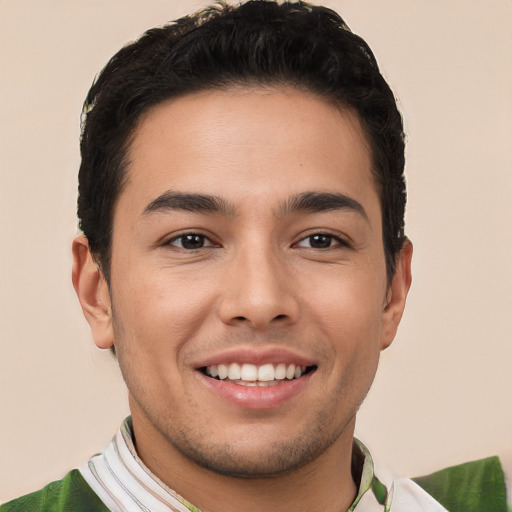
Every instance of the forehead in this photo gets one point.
(247, 143)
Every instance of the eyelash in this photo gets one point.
(183, 236)
(332, 239)
(327, 238)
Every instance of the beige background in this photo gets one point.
(444, 390)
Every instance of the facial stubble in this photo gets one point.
(319, 432)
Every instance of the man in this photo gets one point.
(242, 201)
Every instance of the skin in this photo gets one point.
(258, 284)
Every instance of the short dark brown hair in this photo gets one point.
(258, 42)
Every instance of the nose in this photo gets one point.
(258, 291)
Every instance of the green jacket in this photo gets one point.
(477, 486)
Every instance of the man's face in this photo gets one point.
(248, 238)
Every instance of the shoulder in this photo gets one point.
(470, 487)
(70, 493)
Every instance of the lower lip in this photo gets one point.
(263, 397)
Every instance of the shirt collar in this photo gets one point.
(375, 492)
(124, 483)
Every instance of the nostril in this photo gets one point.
(280, 317)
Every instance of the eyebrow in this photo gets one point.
(200, 203)
(306, 202)
(317, 202)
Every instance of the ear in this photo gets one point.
(396, 295)
(92, 291)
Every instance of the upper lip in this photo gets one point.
(259, 356)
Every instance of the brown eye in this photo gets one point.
(190, 241)
(319, 241)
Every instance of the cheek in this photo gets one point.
(159, 309)
(350, 303)
(349, 312)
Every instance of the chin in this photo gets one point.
(274, 461)
(258, 458)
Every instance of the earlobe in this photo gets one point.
(397, 295)
(92, 291)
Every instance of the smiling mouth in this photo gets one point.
(256, 375)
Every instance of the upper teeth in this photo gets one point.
(253, 373)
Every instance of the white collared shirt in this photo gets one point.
(125, 484)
